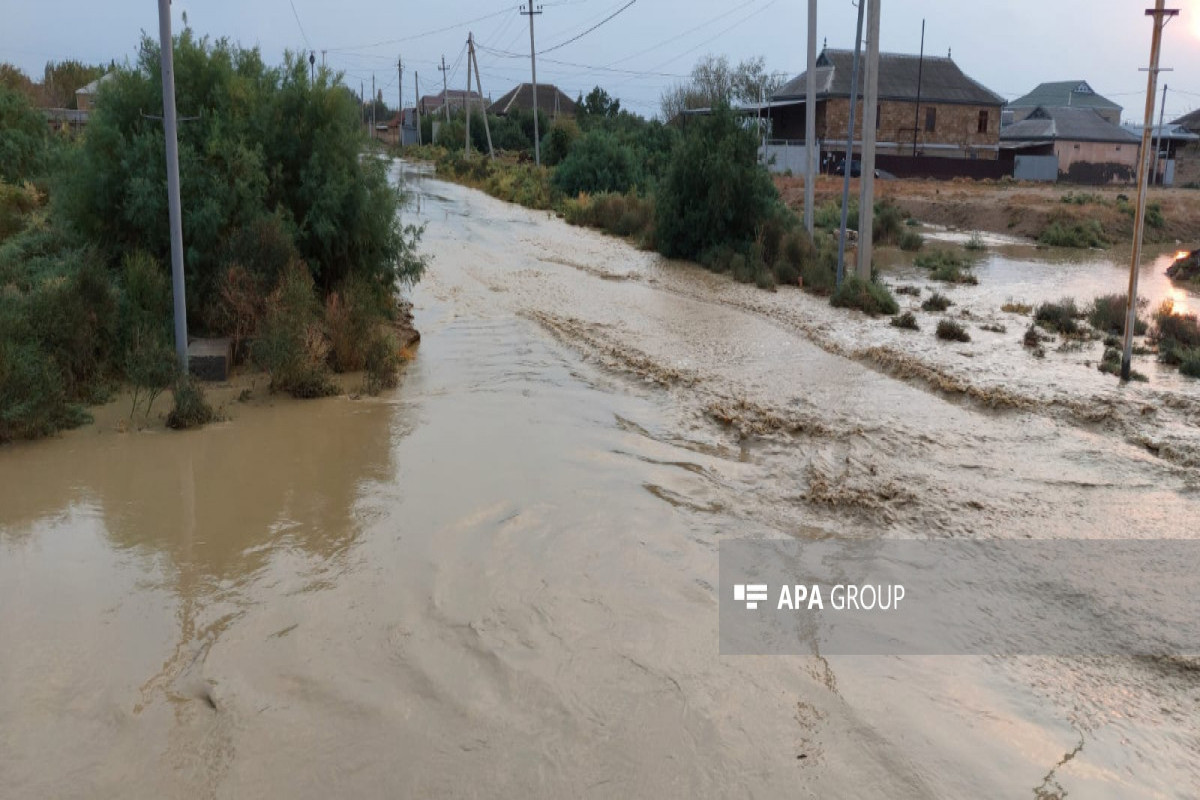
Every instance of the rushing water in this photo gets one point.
(499, 579)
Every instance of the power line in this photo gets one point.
(300, 24)
(685, 33)
(455, 26)
(589, 30)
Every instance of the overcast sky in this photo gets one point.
(1009, 46)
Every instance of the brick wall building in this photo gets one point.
(953, 115)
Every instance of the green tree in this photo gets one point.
(23, 136)
(598, 163)
(714, 192)
(598, 103)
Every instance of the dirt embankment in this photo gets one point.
(1020, 209)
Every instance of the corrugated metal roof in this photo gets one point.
(941, 80)
(1069, 124)
(521, 97)
(1170, 131)
(1064, 94)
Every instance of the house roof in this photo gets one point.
(94, 86)
(1169, 132)
(1065, 94)
(1190, 121)
(431, 101)
(521, 98)
(941, 80)
(1069, 124)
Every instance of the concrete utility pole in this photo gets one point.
(417, 104)
(849, 161)
(920, 71)
(866, 200)
(175, 214)
(1161, 16)
(445, 90)
(400, 100)
(811, 149)
(467, 101)
(531, 12)
(373, 101)
(362, 96)
(1162, 113)
(474, 61)
(312, 67)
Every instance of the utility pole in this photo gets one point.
(362, 96)
(474, 61)
(467, 101)
(920, 70)
(417, 104)
(1162, 112)
(529, 11)
(866, 200)
(323, 52)
(175, 215)
(312, 67)
(445, 90)
(849, 160)
(810, 121)
(1161, 16)
(373, 100)
(400, 100)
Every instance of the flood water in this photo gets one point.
(499, 580)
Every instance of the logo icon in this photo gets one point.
(752, 594)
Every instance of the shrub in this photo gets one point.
(33, 400)
(1033, 337)
(1061, 316)
(951, 331)
(936, 302)
(887, 223)
(714, 190)
(290, 344)
(191, 408)
(947, 266)
(1013, 307)
(562, 135)
(151, 366)
(350, 316)
(622, 215)
(17, 202)
(1107, 315)
(907, 320)
(598, 163)
(975, 243)
(382, 363)
(1079, 234)
(818, 274)
(911, 241)
(1110, 363)
(870, 297)
(23, 137)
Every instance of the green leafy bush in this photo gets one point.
(907, 321)
(382, 363)
(1079, 234)
(947, 266)
(1061, 317)
(598, 163)
(936, 302)
(562, 135)
(191, 408)
(1107, 315)
(911, 241)
(290, 345)
(23, 135)
(870, 297)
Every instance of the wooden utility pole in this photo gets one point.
(866, 199)
(849, 160)
(417, 104)
(174, 209)
(529, 11)
(1161, 16)
(474, 62)
(810, 122)
(445, 90)
(467, 103)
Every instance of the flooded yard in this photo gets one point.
(499, 580)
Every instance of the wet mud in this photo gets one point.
(499, 580)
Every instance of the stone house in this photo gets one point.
(926, 104)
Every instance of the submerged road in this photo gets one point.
(499, 580)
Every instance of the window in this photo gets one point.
(983, 121)
(930, 120)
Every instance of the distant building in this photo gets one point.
(1064, 94)
(551, 100)
(1171, 144)
(1187, 166)
(85, 98)
(456, 99)
(923, 101)
(1086, 147)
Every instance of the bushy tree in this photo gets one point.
(598, 103)
(598, 163)
(22, 137)
(562, 136)
(714, 192)
(258, 142)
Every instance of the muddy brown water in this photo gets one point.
(498, 581)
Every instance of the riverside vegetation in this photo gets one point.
(294, 248)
